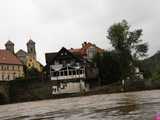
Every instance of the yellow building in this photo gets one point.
(31, 62)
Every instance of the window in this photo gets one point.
(81, 71)
(74, 72)
(29, 65)
(8, 77)
(14, 75)
(7, 67)
(61, 73)
(65, 72)
(70, 72)
(2, 77)
(56, 73)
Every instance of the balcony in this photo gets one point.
(68, 74)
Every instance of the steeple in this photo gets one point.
(31, 48)
(9, 46)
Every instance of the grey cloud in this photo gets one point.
(57, 23)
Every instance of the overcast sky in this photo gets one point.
(56, 23)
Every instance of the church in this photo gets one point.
(28, 58)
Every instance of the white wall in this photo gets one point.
(70, 87)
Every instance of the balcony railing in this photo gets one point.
(67, 74)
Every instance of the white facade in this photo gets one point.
(69, 87)
(76, 84)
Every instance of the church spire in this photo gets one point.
(9, 46)
(31, 48)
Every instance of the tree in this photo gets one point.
(32, 74)
(128, 44)
(109, 67)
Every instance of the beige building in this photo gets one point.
(10, 66)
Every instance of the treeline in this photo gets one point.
(151, 67)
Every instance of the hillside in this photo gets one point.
(151, 64)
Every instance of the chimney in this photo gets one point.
(83, 44)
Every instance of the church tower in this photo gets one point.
(10, 46)
(31, 48)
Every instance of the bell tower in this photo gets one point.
(10, 46)
(31, 48)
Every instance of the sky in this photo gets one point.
(53, 24)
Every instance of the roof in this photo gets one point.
(9, 43)
(6, 57)
(30, 42)
(49, 56)
(52, 56)
(21, 51)
(77, 50)
(86, 45)
(83, 51)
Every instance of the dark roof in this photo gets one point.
(49, 56)
(21, 51)
(6, 57)
(52, 56)
(30, 42)
(9, 43)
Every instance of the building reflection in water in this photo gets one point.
(129, 104)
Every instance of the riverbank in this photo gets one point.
(32, 91)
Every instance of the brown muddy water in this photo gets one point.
(123, 106)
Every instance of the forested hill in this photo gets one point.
(151, 64)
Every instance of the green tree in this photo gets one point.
(109, 67)
(32, 74)
(129, 45)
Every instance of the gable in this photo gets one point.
(21, 53)
(63, 54)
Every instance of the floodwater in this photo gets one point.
(123, 106)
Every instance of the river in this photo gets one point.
(122, 106)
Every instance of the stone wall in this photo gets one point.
(30, 90)
(4, 92)
(26, 90)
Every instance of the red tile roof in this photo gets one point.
(75, 50)
(7, 57)
(83, 51)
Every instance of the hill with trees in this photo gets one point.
(151, 66)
